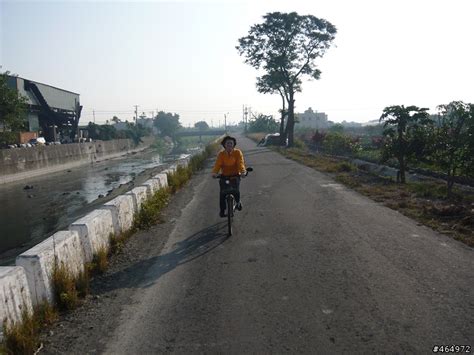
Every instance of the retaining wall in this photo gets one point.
(62, 248)
(15, 295)
(94, 231)
(22, 163)
(123, 211)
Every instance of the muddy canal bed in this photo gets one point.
(33, 209)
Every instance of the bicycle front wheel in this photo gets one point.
(230, 213)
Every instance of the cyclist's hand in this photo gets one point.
(243, 175)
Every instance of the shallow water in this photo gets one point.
(27, 216)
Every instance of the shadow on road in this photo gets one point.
(146, 272)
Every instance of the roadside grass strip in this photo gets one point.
(23, 337)
(424, 201)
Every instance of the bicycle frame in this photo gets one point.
(230, 198)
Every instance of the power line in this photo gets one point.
(166, 110)
(136, 113)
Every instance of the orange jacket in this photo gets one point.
(229, 164)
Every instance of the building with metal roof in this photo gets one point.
(52, 112)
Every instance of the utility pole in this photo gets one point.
(245, 119)
(225, 123)
(93, 113)
(136, 113)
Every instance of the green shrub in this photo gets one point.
(64, 287)
(345, 167)
(45, 314)
(298, 143)
(177, 179)
(339, 143)
(117, 242)
(150, 211)
(100, 260)
(83, 283)
(160, 146)
(8, 138)
(427, 190)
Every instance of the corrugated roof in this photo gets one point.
(37, 82)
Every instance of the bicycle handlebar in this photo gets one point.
(220, 176)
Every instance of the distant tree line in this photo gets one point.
(411, 137)
(106, 132)
(263, 123)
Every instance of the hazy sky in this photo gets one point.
(180, 56)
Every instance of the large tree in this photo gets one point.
(201, 125)
(168, 124)
(272, 83)
(287, 44)
(404, 131)
(12, 106)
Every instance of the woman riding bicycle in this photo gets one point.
(229, 162)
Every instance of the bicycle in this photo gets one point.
(230, 198)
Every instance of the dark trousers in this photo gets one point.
(234, 185)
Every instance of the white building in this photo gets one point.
(311, 119)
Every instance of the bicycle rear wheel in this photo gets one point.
(230, 213)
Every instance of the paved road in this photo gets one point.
(312, 267)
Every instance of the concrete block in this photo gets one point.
(14, 294)
(152, 186)
(94, 231)
(62, 248)
(184, 162)
(140, 195)
(122, 212)
(163, 178)
(167, 172)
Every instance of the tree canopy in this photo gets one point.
(107, 132)
(201, 125)
(12, 106)
(263, 123)
(167, 123)
(286, 46)
(404, 130)
(453, 143)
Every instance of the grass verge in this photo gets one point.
(424, 201)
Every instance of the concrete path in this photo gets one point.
(312, 267)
